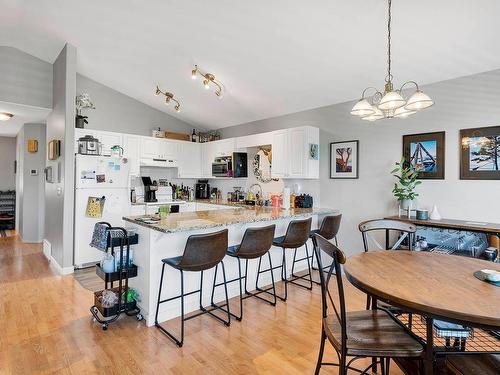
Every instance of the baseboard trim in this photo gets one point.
(47, 251)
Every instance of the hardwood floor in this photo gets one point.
(46, 328)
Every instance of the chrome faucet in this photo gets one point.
(260, 189)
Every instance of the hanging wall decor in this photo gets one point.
(54, 149)
(425, 154)
(344, 160)
(480, 153)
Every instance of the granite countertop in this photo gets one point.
(187, 221)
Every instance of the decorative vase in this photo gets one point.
(405, 204)
(80, 121)
(435, 215)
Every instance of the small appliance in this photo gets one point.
(222, 167)
(202, 190)
(150, 189)
(235, 165)
(88, 145)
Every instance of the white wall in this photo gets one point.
(26, 79)
(30, 188)
(59, 196)
(460, 103)
(7, 158)
(121, 113)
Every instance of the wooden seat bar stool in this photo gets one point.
(328, 229)
(255, 244)
(202, 252)
(358, 334)
(297, 235)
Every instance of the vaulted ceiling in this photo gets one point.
(273, 56)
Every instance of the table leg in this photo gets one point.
(374, 359)
(429, 349)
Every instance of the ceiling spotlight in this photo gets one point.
(209, 78)
(4, 116)
(169, 97)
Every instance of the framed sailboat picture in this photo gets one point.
(425, 154)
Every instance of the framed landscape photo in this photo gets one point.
(425, 154)
(480, 153)
(344, 159)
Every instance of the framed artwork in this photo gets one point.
(344, 159)
(425, 154)
(313, 151)
(480, 153)
(54, 149)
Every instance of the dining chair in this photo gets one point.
(358, 334)
(374, 228)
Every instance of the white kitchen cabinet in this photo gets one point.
(151, 148)
(224, 147)
(131, 150)
(280, 152)
(108, 140)
(297, 147)
(208, 154)
(138, 209)
(169, 149)
(254, 140)
(189, 161)
(291, 157)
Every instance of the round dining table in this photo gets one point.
(433, 285)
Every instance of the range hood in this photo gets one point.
(160, 163)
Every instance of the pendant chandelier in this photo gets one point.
(391, 103)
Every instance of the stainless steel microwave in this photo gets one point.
(222, 167)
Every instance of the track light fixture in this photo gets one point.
(208, 79)
(169, 97)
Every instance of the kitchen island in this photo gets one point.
(166, 238)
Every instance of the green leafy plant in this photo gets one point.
(404, 187)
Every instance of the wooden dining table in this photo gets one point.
(435, 286)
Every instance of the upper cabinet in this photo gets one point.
(107, 139)
(131, 150)
(190, 160)
(158, 149)
(294, 151)
(291, 150)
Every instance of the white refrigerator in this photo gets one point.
(97, 177)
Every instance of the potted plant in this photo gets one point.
(82, 102)
(404, 187)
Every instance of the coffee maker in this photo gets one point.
(150, 189)
(202, 190)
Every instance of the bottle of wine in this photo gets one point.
(194, 137)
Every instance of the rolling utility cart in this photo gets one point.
(118, 240)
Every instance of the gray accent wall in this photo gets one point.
(30, 187)
(59, 196)
(120, 113)
(26, 79)
(7, 158)
(461, 103)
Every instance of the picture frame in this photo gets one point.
(344, 160)
(426, 153)
(54, 149)
(313, 151)
(480, 153)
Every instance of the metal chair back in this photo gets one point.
(404, 229)
(328, 301)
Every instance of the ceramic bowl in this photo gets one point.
(491, 275)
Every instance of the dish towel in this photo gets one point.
(100, 237)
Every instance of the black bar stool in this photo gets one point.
(202, 252)
(296, 236)
(255, 244)
(328, 229)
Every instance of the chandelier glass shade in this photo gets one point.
(390, 103)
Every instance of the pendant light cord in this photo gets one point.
(389, 75)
